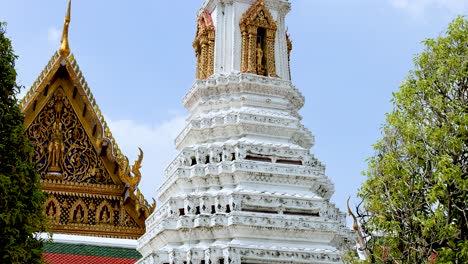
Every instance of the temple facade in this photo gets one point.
(91, 188)
(244, 187)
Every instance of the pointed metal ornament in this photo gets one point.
(65, 46)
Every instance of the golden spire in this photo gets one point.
(64, 46)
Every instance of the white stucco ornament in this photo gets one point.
(244, 187)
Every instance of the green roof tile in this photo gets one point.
(89, 250)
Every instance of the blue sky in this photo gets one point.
(348, 58)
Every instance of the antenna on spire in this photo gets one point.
(64, 46)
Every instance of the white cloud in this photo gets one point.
(157, 143)
(54, 35)
(419, 7)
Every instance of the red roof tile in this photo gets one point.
(54, 258)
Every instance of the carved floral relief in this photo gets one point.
(62, 149)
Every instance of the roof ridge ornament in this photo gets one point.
(64, 46)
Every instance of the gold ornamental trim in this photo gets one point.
(98, 230)
(43, 78)
(290, 47)
(204, 45)
(80, 189)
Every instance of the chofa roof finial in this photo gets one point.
(64, 46)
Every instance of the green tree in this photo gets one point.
(415, 199)
(21, 199)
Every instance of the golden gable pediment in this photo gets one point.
(78, 159)
(63, 150)
(90, 185)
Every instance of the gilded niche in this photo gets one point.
(79, 213)
(258, 31)
(104, 213)
(52, 209)
(204, 45)
(62, 149)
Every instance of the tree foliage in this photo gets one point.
(21, 199)
(415, 198)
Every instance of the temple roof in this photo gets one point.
(91, 187)
(47, 77)
(58, 253)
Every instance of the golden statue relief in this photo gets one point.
(261, 18)
(51, 211)
(259, 59)
(79, 215)
(105, 216)
(62, 148)
(56, 148)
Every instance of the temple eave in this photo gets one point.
(52, 186)
(98, 230)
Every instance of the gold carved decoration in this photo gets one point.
(65, 46)
(125, 175)
(204, 45)
(290, 47)
(77, 156)
(62, 149)
(258, 31)
(109, 218)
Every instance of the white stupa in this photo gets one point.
(244, 187)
